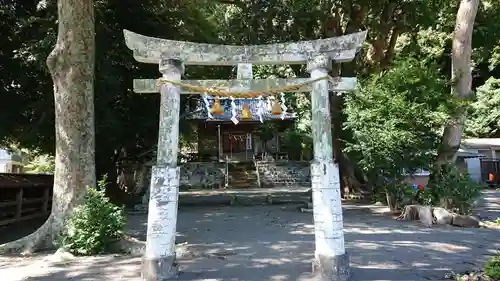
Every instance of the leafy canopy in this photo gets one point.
(395, 118)
(484, 120)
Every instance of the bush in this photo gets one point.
(395, 117)
(396, 192)
(450, 188)
(453, 189)
(492, 267)
(95, 225)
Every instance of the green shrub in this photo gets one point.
(453, 189)
(400, 191)
(395, 118)
(492, 267)
(95, 225)
(424, 196)
(396, 192)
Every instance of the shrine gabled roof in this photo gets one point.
(253, 104)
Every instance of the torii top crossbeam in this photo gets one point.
(151, 50)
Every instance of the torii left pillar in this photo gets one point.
(159, 260)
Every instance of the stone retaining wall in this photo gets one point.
(202, 175)
(274, 173)
(271, 173)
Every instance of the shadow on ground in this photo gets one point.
(20, 229)
(277, 243)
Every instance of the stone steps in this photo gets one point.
(242, 175)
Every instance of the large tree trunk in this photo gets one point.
(71, 64)
(461, 78)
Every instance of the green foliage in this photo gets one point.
(495, 57)
(95, 225)
(425, 196)
(395, 119)
(403, 193)
(266, 131)
(450, 188)
(123, 118)
(297, 144)
(396, 191)
(485, 116)
(41, 164)
(485, 43)
(453, 189)
(492, 267)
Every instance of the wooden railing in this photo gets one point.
(24, 197)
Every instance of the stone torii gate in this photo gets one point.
(331, 260)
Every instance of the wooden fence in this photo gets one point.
(24, 197)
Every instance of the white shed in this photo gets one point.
(10, 162)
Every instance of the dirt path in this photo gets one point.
(277, 243)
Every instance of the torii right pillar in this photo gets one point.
(331, 262)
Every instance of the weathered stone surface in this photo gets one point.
(325, 182)
(151, 50)
(332, 268)
(319, 62)
(425, 215)
(271, 173)
(202, 175)
(170, 103)
(159, 258)
(442, 216)
(275, 173)
(145, 86)
(465, 221)
(159, 269)
(198, 175)
(320, 109)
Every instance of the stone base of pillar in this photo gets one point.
(159, 269)
(328, 268)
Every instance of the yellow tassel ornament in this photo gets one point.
(276, 108)
(245, 112)
(217, 108)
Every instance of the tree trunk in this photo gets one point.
(391, 200)
(461, 77)
(71, 64)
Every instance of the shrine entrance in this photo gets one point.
(331, 260)
(237, 146)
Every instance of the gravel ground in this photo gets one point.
(276, 243)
